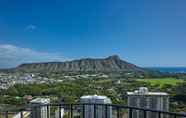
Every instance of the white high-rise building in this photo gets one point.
(142, 98)
(59, 113)
(101, 110)
(38, 111)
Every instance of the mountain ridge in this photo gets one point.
(110, 64)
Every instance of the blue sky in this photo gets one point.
(144, 32)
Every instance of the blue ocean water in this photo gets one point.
(170, 69)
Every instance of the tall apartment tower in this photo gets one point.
(142, 98)
(101, 111)
(60, 112)
(38, 111)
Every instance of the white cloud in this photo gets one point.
(11, 56)
(31, 27)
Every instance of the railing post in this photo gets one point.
(21, 114)
(159, 114)
(47, 111)
(94, 111)
(145, 113)
(60, 111)
(174, 116)
(6, 114)
(71, 110)
(106, 111)
(118, 113)
(31, 114)
(83, 111)
(130, 113)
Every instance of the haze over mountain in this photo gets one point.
(109, 64)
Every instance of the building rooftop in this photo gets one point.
(144, 91)
(41, 101)
(93, 97)
(149, 93)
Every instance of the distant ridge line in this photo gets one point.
(110, 64)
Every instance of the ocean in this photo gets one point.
(170, 69)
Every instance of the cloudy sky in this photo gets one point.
(11, 56)
(143, 32)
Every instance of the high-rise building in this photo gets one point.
(99, 110)
(39, 108)
(142, 98)
(59, 113)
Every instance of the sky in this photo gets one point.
(144, 32)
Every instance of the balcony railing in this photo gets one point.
(87, 111)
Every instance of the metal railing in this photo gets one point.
(88, 111)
